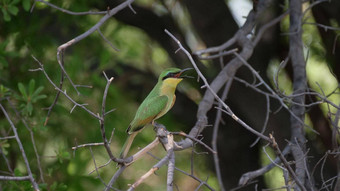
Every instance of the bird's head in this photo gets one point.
(174, 73)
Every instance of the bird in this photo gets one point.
(159, 101)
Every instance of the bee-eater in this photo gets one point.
(159, 101)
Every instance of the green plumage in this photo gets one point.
(155, 105)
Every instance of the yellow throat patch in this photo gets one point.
(169, 85)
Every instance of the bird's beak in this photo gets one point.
(179, 74)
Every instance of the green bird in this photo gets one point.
(159, 101)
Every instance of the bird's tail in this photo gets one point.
(127, 145)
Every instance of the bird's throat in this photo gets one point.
(169, 86)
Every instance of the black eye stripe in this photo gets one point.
(169, 75)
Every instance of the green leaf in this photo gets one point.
(37, 91)
(26, 4)
(4, 43)
(7, 17)
(4, 91)
(36, 98)
(62, 187)
(31, 86)
(29, 108)
(22, 90)
(4, 146)
(14, 2)
(17, 172)
(43, 186)
(54, 186)
(65, 155)
(3, 62)
(13, 10)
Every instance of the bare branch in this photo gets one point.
(15, 178)
(32, 138)
(286, 164)
(247, 177)
(30, 175)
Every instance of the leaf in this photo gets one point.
(54, 186)
(4, 43)
(37, 91)
(26, 4)
(29, 108)
(22, 91)
(17, 172)
(4, 145)
(66, 155)
(14, 2)
(4, 91)
(3, 62)
(43, 186)
(7, 17)
(34, 99)
(13, 10)
(31, 86)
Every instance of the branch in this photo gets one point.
(193, 139)
(286, 164)
(32, 139)
(215, 136)
(299, 86)
(61, 91)
(206, 84)
(247, 177)
(151, 171)
(28, 168)
(63, 47)
(15, 178)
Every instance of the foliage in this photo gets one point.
(29, 96)
(25, 92)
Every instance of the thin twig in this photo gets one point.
(28, 168)
(32, 139)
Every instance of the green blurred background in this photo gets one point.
(144, 51)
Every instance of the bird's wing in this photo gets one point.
(146, 112)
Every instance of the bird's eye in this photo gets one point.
(168, 75)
